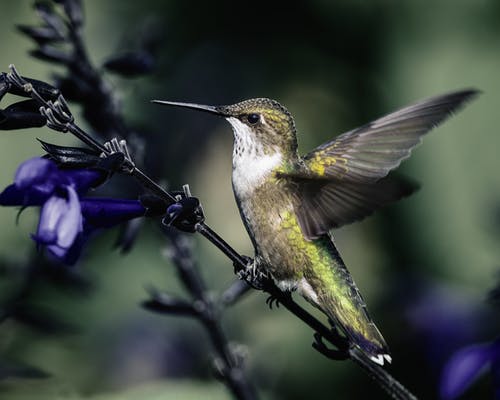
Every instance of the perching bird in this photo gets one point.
(289, 204)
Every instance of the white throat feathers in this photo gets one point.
(251, 165)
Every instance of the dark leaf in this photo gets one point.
(45, 10)
(131, 64)
(48, 92)
(41, 34)
(51, 54)
(97, 112)
(166, 304)
(74, 89)
(74, 11)
(128, 235)
(4, 86)
(71, 156)
(25, 105)
(21, 115)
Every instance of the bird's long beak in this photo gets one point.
(218, 110)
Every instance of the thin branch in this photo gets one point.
(234, 292)
(228, 363)
(393, 387)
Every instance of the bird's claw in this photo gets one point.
(251, 273)
(272, 300)
(243, 272)
(334, 354)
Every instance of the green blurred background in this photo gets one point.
(335, 65)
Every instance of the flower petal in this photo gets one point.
(463, 368)
(33, 171)
(70, 223)
(58, 251)
(37, 179)
(52, 211)
(104, 213)
(60, 222)
(83, 179)
(69, 256)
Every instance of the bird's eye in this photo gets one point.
(253, 118)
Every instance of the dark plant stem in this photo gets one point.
(392, 387)
(140, 176)
(234, 292)
(228, 364)
(83, 69)
(83, 136)
(218, 242)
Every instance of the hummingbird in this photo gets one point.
(290, 204)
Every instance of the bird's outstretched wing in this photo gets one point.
(345, 180)
(368, 153)
(324, 204)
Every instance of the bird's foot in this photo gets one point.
(251, 273)
(245, 272)
(276, 299)
(340, 353)
(272, 300)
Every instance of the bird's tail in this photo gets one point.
(332, 290)
(362, 332)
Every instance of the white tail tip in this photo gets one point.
(379, 359)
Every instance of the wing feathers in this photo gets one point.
(346, 179)
(323, 205)
(368, 153)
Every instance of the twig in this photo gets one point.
(393, 387)
(228, 363)
(234, 292)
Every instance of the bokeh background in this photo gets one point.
(425, 265)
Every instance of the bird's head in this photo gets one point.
(262, 123)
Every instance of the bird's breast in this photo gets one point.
(251, 170)
(266, 206)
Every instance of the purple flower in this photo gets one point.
(38, 178)
(445, 320)
(466, 365)
(66, 219)
(60, 222)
